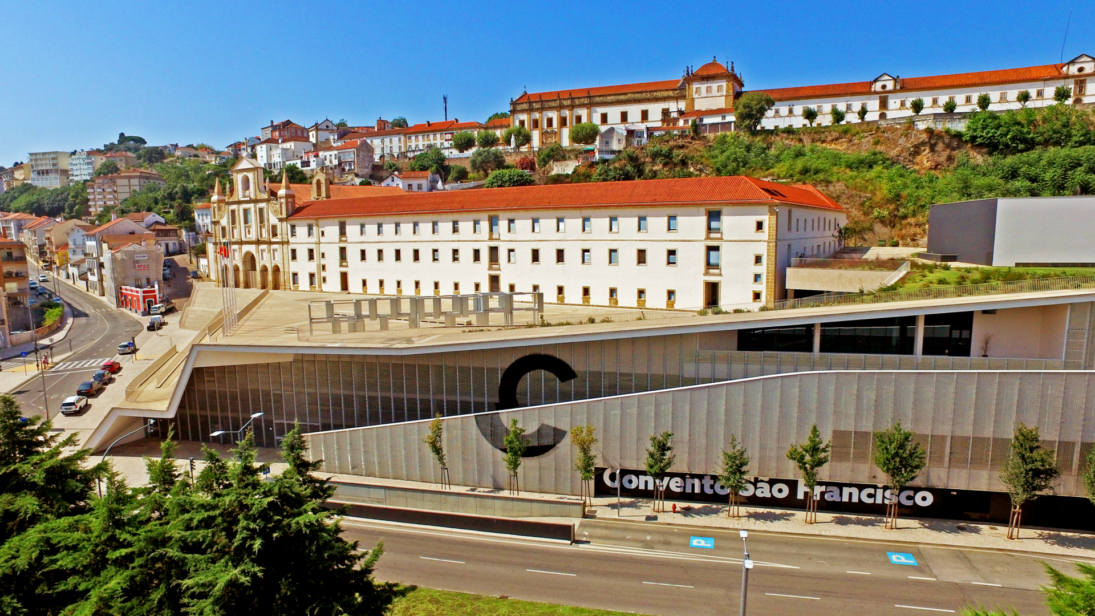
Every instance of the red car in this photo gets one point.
(111, 366)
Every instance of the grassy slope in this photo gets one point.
(925, 276)
(429, 602)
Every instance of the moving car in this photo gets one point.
(156, 323)
(111, 366)
(89, 388)
(126, 348)
(43, 278)
(163, 307)
(102, 376)
(73, 405)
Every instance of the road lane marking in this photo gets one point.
(913, 577)
(927, 609)
(858, 572)
(552, 572)
(664, 584)
(443, 560)
(772, 594)
(985, 584)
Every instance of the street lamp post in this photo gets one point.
(239, 433)
(107, 452)
(746, 565)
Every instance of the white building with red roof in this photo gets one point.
(707, 96)
(414, 181)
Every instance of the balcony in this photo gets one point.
(14, 259)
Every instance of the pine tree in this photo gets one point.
(515, 448)
(810, 457)
(659, 459)
(1029, 472)
(735, 465)
(901, 458)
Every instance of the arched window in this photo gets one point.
(882, 116)
(245, 187)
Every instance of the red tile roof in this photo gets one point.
(711, 68)
(443, 126)
(413, 174)
(706, 112)
(102, 228)
(500, 123)
(303, 192)
(203, 206)
(684, 192)
(648, 86)
(389, 132)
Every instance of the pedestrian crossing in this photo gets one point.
(82, 363)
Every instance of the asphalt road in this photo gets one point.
(648, 569)
(96, 331)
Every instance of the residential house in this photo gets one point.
(322, 131)
(124, 160)
(49, 169)
(110, 190)
(610, 142)
(14, 316)
(207, 155)
(34, 238)
(57, 243)
(286, 129)
(414, 181)
(12, 224)
(275, 152)
(186, 152)
(15, 175)
(96, 249)
(169, 238)
(203, 218)
(82, 165)
(146, 219)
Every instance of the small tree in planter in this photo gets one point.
(917, 105)
(1029, 472)
(901, 458)
(515, 449)
(586, 461)
(735, 465)
(435, 440)
(983, 101)
(862, 113)
(659, 460)
(810, 457)
(950, 106)
(837, 115)
(809, 114)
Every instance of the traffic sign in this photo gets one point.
(901, 558)
(707, 543)
(23, 354)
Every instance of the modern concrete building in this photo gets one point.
(1015, 232)
(110, 190)
(49, 169)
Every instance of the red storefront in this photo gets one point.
(139, 299)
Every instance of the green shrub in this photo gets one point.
(550, 154)
(487, 139)
(504, 178)
(458, 173)
(585, 133)
(487, 160)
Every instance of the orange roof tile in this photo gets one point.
(500, 123)
(683, 192)
(303, 192)
(706, 112)
(203, 206)
(672, 84)
(106, 226)
(413, 174)
(711, 68)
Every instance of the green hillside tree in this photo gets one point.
(749, 110)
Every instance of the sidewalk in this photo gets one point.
(57, 336)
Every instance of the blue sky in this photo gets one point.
(75, 74)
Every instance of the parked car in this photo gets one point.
(73, 404)
(89, 388)
(102, 376)
(195, 274)
(126, 348)
(43, 278)
(111, 366)
(34, 284)
(163, 307)
(156, 323)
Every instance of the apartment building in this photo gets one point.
(13, 260)
(34, 235)
(15, 175)
(82, 165)
(707, 96)
(49, 169)
(110, 190)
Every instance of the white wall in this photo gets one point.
(1044, 230)
(1032, 333)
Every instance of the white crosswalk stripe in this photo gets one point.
(80, 364)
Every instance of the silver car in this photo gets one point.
(73, 405)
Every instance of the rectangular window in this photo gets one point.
(671, 257)
(399, 228)
(671, 295)
(604, 118)
(969, 99)
(456, 227)
(613, 256)
(760, 226)
(342, 229)
(475, 255)
(758, 278)
(476, 226)
(714, 221)
(587, 257)
(511, 226)
(494, 227)
(1003, 97)
(559, 256)
(398, 255)
(292, 254)
(535, 225)
(577, 118)
(361, 229)
(640, 257)
(536, 255)
(292, 230)
(613, 224)
(311, 254)
(642, 224)
(559, 290)
(414, 228)
(455, 255)
(364, 285)
(342, 255)
(311, 230)
(492, 256)
(712, 257)
(623, 117)
(560, 225)
(758, 259)
(435, 227)
(756, 296)
(1037, 94)
(587, 225)
(296, 279)
(414, 255)
(380, 228)
(435, 255)
(511, 255)
(562, 124)
(380, 255)
(671, 224)
(935, 101)
(362, 255)
(456, 288)
(312, 280)
(644, 115)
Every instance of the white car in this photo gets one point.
(43, 278)
(73, 405)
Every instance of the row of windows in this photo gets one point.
(936, 101)
(712, 256)
(624, 118)
(714, 224)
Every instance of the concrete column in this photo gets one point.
(817, 338)
(918, 339)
